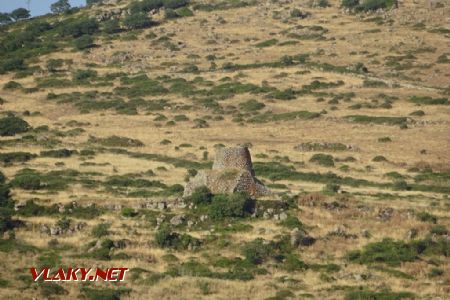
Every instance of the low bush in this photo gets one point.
(10, 157)
(11, 125)
(394, 253)
(12, 85)
(425, 100)
(230, 206)
(59, 153)
(100, 230)
(426, 217)
(84, 42)
(165, 238)
(257, 251)
(325, 160)
(365, 294)
(201, 195)
(138, 21)
(116, 141)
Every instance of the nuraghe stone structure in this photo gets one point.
(232, 172)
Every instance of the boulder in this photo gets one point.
(232, 172)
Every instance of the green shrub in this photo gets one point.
(79, 27)
(10, 157)
(19, 14)
(292, 222)
(426, 217)
(387, 251)
(116, 141)
(84, 42)
(257, 251)
(439, 230)
(385, 139)
(11, 64)
(331, 188)
(50, 289)
(100, 230)
(374, 83)
(267, 43)
(201, 195)
(364, 294)
(377, 120)
(321, 3)
(425, 100)
(251, 105)
(27, 181)
(296, 13)
(350, 3)
(58, 153)
(175, 3)
(31, 209)
(128, 212)
(105, 293)
(111, 26)
(165, 238)
(230, 206)
(138, 21)
(6, 206)
(293, 264)
(60, 6)
(12, 85)
(379, 158)
(325, 160)
(171, 14)
(10, 126)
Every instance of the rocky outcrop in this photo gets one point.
(232, 172)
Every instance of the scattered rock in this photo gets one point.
(178, 220)
(300, 238)
(385, 214)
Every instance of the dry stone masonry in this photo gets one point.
(232, 172)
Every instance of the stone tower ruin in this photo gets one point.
(232, 172)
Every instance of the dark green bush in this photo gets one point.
(10, 157)
(128, 212)
(230, 206)
(439, 230)
(138, 21)
(175, 3)
(201, 195)
(350, 3)
(59, 153)
(364, 294)
(11, 64)
(426, 217)
(425, 100)
(19, 14)
(6, 205)
(165, 238)
(80, 27)
(257, 251)
(325, 160)
(84, 42)
(12, 85)
(84, 75)
(10, 126)
(372, 5)
(100, 230)
(105, 293)
(26, 181)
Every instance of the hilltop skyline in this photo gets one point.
(37, 7)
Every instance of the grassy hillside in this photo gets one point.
(107, 111)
